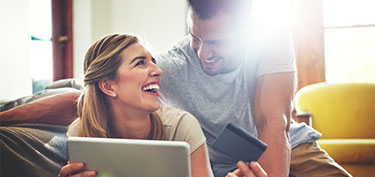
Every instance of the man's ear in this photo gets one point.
(107, 87)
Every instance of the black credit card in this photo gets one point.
(239, 144)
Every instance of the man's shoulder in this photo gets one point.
(176, 59)
(178, 51)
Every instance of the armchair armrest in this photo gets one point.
(303, 117)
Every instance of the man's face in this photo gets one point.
(214, 41)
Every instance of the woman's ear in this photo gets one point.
(107, 87)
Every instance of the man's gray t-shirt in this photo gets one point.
(217, 100)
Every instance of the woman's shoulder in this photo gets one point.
(74, 128)
(171, 115)
(180, 125)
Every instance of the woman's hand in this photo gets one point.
(253, 170)
(72, 168)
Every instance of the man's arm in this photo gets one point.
(58, 110)
(272, 111)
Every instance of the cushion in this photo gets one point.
(350, 150)
(72, 83)
(27, 99)
(340, 110)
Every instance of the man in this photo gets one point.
(230, 69)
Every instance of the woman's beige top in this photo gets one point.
(179, 125)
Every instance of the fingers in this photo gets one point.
(232, 174)
(246, 171)
(74, 167)
(254, 170)
(85, 174)
(70, 168)
(237, 172)
(257, 169)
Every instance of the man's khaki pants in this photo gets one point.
(309, 160)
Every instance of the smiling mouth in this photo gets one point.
(153, 88)
(210, 60)
(210, 63)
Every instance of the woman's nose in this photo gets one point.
(156, 71)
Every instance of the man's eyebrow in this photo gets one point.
(138, 58)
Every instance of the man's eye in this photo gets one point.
(195, 39)
(140, 63)
(220, 43)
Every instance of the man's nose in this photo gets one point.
(204, 52)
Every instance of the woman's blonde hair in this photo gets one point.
(102, 60)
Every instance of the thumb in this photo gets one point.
(257, 169)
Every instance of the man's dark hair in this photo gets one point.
(205, 9)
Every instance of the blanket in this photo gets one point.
(32, 150)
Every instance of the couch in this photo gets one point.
(345, 115)
(34, 149)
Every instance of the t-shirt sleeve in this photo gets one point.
(74, 128)
(277, 53)
(174, 65)
(189, 130)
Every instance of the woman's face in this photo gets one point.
(138, 80)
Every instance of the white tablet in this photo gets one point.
(112, 157)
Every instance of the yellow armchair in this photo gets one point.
(345, 115)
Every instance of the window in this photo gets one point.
(349, 39)
(51, 46)
(40, 44)
(274, 11)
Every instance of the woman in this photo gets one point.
(121, 101)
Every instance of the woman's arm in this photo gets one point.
(200, 164)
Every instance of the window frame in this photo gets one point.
(62, 38)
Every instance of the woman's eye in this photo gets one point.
(140, 63)
(153, 60)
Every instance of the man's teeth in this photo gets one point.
(209, 60)
(151, 87)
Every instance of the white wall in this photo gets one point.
(14, 50)
(82, 34)
(161, 23)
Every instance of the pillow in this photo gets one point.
(27, 99)
(59, 109)
(73, 83)
(57, 87)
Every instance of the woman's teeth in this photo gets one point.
(151, 88)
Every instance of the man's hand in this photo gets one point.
(253, 170)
